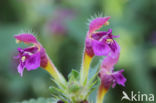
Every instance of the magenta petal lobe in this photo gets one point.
(33, 62)
(100, 48)
(20, 69)
(119, 78)
(27, 38)
(97, 23)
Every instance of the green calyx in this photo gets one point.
(73, 91)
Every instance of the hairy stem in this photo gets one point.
(85, 67)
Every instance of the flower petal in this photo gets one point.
(106, 78)
(32, 49)
(100, 48)
(97, 23)
(27, 38)
(109, 62)
(33, 62)
(98, 35)
(115, 50)
(118, 78)
(20, 69)
(88, 48)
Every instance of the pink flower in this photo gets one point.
(56, 25)
(31, 57)
(100, 43)
(108, 75)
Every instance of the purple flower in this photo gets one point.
(108, 75)
(31, 57)
(118, 78)
(35, 56)
(56, 25)
(101, 43)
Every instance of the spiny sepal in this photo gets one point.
(73, 91)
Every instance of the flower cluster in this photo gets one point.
(102, 43)
(78, 87)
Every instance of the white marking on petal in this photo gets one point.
(23, 58)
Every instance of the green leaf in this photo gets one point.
(58, 84)
(58, 93)
(55, 90)
(74, 75)
(74, 87)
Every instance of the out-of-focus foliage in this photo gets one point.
(40, 100)
(61, 26)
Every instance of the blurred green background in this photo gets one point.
(61, 26)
